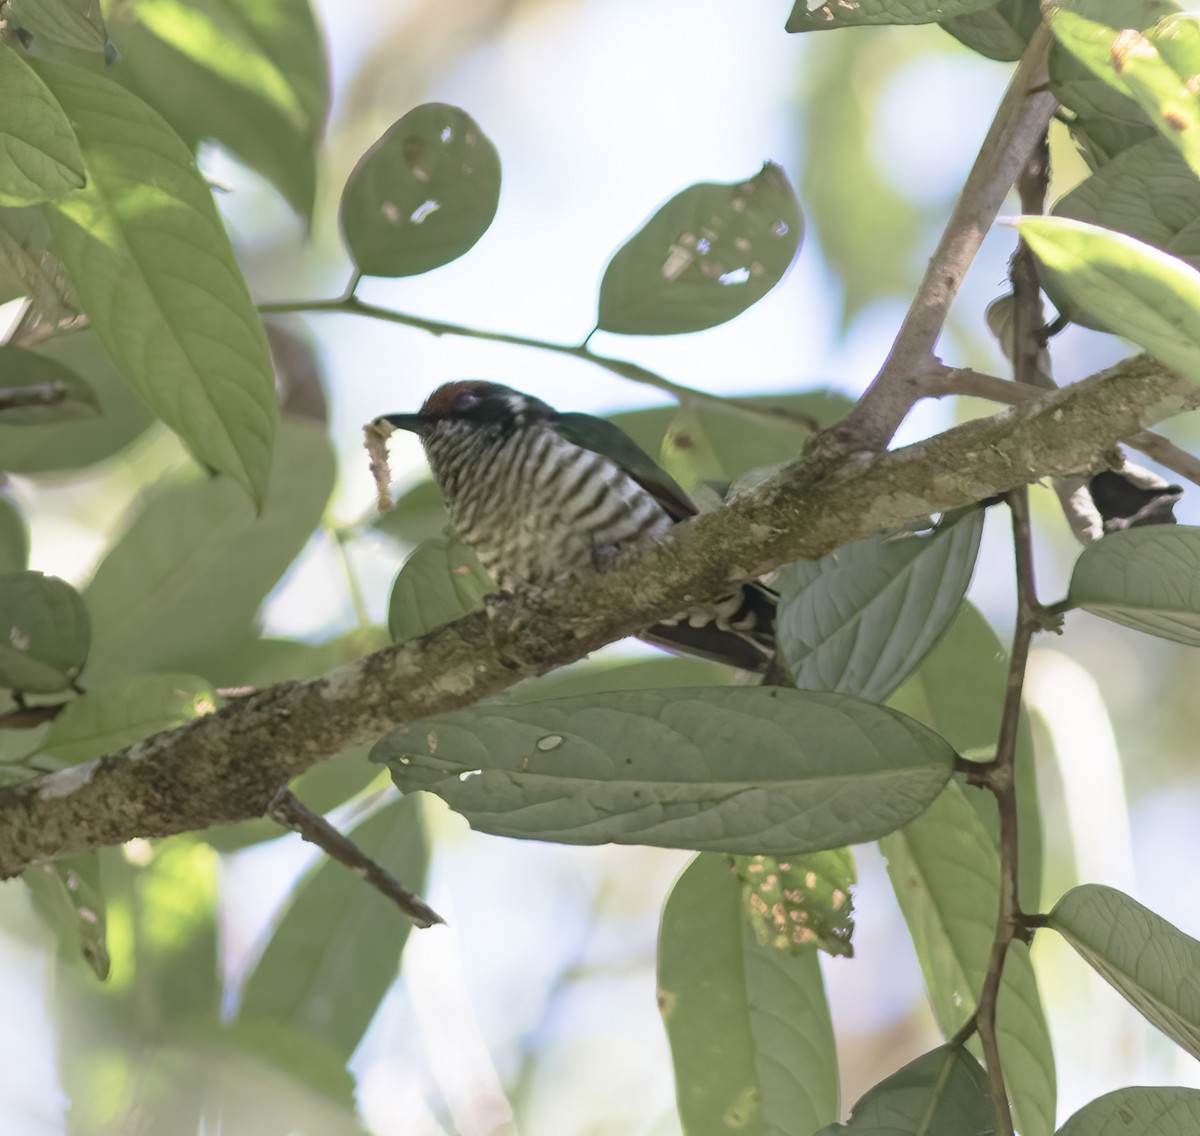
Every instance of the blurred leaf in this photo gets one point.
(249, 74)
(1143, 578)
(751, 1039)
(958, 693)
(728, 769)
(194, 565)
(1000, 32)
(422, 195)
(1139, 1111)
(417, 516)
(158, 280)
(77, 24)
(297, 373)
(441, 581)
(29, 268)
(867, 229)
(112, 715)
(14, 537)
(67, 444)
(337, 949)
(1127, 287)
(44, 633)
(67, 894)
(249, 660)
(39, 157)
(801, 903)
(1146, 191)
(861, 619)
(704, 257)
(941, 1093)
(1151, 964)
(20, 368)
(945, 870)
(852, 13)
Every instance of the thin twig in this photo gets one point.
(352, 305)
(290, 812)
(1019, 124)
(41, 394)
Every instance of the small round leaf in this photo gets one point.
(45, 633)
(422, 195)
(704, 257)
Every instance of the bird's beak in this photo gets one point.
(411, 422)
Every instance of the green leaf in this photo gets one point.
(440, 582)
(941, 1093)
(1000, 32)
(945, 870)
(77, 24)
(249, 74)
(599, 676)
(1127, 287)
(1146, 191)
(422, 195)
(67, 894)
(44, 633)
(1144, 578)
(861, 620)
(158, 280)
(20, 368)
(14, 537)
(73, 443)
(1139, 1111)
(29, 268)
(751, 1039)
(722, 769)
(1154, 966)
(193, 567)
(337, 949)
(417, 515)
(854, 13)
(39, 157)
(704, 257)
(797, 904)
(112, 715)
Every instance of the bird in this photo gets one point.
(540, 495)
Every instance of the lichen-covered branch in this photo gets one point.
(229, 765)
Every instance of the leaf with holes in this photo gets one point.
(67, 396)
(1144, 578)
(802, 902)
(723, 769)
(158, 280)
(67, 895)
(749, 1028)
(39, 157)
(704, 257)
(1139, 1111)
(1126, 287)
(422, 195)
(861, 620)
(941, 1092)
(440, 582)
(1154, 966)
(335, 952)
(855, 13)
(45, 633)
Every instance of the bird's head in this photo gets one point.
(468, 405)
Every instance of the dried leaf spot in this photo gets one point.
(1177, 119)
(1130, 45)
(414, 150)
(389, 211)
(18, 639)
(678, 259)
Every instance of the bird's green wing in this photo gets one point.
(602, 437)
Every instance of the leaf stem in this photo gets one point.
(43, 394)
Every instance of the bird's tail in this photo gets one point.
(738, 630)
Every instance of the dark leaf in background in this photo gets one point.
(704, 257)
(29, 268)
(422, 195)
(749, 1028)
(734, 769)
(20, 368)
(44, 633)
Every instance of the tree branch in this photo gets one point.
(43, 394)
(229, 766)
